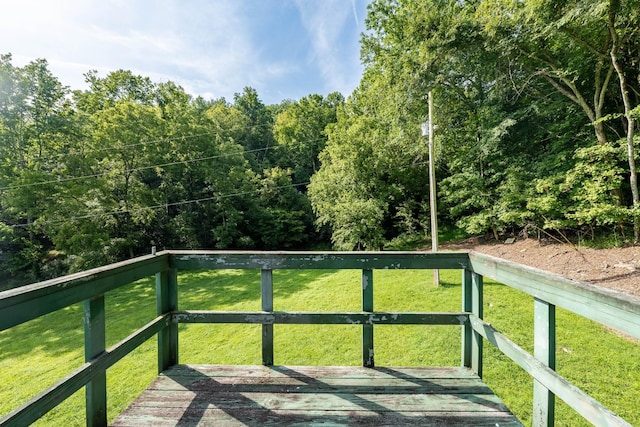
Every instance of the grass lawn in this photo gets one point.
(37, 354)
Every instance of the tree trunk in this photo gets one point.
(633, 175)
(600, 133)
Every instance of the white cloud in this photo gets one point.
(355, 13)
(203, 40)
(333, 33)
(211, 48)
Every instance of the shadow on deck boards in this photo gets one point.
(236, 395)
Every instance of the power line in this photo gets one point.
(161, 206)
(158, 165)
(159, 140)
(174, 138)
(126, 171)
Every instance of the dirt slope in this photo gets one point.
(617, 268)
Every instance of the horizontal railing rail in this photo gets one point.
(26, 303)
(608, 307)
(618, 311)
(59, 392)
(203, 260)
(29, 302)
(314, 318)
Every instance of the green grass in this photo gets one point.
(37, 354)
(415, 241)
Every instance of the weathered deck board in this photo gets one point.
(221, 395)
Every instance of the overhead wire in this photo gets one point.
(158, 165)
(114, 147)
(153, 207)
(154, 141)
(126, 171)
(160, 140)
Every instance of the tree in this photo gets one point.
(257, 138)
(300, 131)
(128, 164)
(284, 220)
(502, 68)
(372, 178)
(120, 85)
(579, 48)
(412, 47)
(37, 132)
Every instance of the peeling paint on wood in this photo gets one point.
(265, 319)
(329, 318)
(28, 302)
(621, 312)
(365, 282)
(319, 260)
(605, 306)
(328, 396)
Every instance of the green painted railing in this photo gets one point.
(620, 312)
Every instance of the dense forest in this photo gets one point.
(536, 106)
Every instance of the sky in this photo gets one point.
(285, 49)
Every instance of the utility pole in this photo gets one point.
(427, 130)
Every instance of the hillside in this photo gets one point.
(615, 268)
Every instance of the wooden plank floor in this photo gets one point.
(222, 395)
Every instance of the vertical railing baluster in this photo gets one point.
(544, 332)
(477, 298)
(367, 329)
(94, 346)
(166, 302)
(266, 282)
(467, 330)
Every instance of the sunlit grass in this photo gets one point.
(35, 355)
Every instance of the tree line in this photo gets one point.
(536, 107)
(96, 176)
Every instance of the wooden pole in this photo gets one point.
(432, 193)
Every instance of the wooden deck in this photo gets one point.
(222, 395)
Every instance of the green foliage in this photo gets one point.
(128, 164)
(285, 219)
(530, 101)
(586, 196)
(371, 185)
(300, 130)
(258, 133)
(521, 90)
(595, 182)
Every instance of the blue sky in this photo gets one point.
(285, 49)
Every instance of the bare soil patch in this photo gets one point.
(617, 268)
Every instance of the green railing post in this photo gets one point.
(477, 310)
(467, 330)
(544, 332)
(367, 330)
(266, 284)
(166, 302)
(94, 345)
